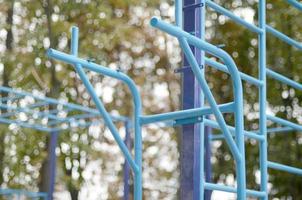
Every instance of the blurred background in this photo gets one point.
(116, 33)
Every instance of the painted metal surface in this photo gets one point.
(192, 135)
(21, 194)
(234, 136)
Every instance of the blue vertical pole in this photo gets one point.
(126, 170)
(262, 96)
(207, 159)
(192, 137)
(52, 163)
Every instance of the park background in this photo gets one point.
(116, 33)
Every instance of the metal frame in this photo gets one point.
(11, 193)
(195, 115)
(35, 108)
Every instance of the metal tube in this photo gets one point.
(243, 76)
(178, 13)
(189, 113)
(52, 163)
(235, 18)
(296, 4)
(215, 125)
(292, 170)
(283, 79)
(126, 168)
(25, 125)
(238, 153)
(262, 97)
(285, 122)
(284, 37)
(212, 186)
(78, 64)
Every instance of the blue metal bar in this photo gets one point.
(212, 186)
(11, 98)
(279, 129)
(49, 100)
(283, 79)
(207, 160)
(78, 64)
(248, 134)
(52, 163)
(188, 113)
(284, 122)
(238, 151)
(98, 103)
(22, 192)
(74, 117)
(24, 124)
(262, 97)
(178, 13)
(243, 76)
(292, 170)
(235, 18)
(38, 104)
(191, 137)
(296, 4)
(126, 167)
(26, 110)
(284, 37)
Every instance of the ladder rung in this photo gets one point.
(283, 79)
(281, 167)
(296, 4)
(243, 76)
(284, 37)
(212, 186)
(235, 18)
(184, 114)
(249, 134)
(279, 130)
(285, 122)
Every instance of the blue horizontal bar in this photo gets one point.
(183, 114)
(281, 167)
(283, 79)
(58, 102)
(25, 124)
(243, 76)
(215, 125)
(22, 192)
(224, 188)
(235, 18)
(279, 129)
(296, 4)
(27, 110)
(285, 122)
(283, 37)
(11, 98)
(38, 104)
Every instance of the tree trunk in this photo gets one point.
(5, 77)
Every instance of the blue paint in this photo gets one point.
(52, 163)
(193, 184)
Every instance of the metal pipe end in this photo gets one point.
(154, 21)
(49, 52)
(74, 28)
